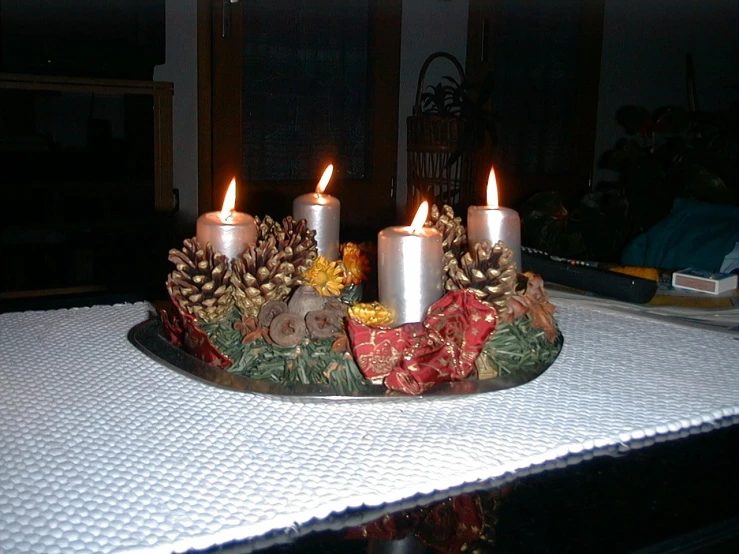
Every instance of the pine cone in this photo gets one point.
(261, 274)
(200, 284)
(490, 273)
(294, 239)
(453, 233)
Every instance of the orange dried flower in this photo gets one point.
(356, 265)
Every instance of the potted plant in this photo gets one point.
(470, 103)
(666, 154)
(450, 123)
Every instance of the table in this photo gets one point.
(104, 450)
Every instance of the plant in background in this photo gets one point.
(591, 227)
(672, 153)
(667, 154)
(468, 101)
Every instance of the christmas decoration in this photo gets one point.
(488, 272)
(371, 313)
(261, 274)
(414, 357)
(355, 262)
(326, 277)
(454, 234)
(294, 239)
(200, 283)
(280, 312)
(305, 299)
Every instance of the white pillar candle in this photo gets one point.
(322, 213)
(410, 268)
(494, 223)
(229, 232)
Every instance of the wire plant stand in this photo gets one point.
(432, 140)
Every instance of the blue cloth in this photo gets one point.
(694, 234)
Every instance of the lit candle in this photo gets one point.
(228, 231)
(410, 268)
(322, 212)
(494, 223)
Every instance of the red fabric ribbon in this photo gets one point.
(414, 357)
(183, 332)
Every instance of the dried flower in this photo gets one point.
(539, 312)
(251, 330)
(326, 277)
(356, 265)
(371, 313)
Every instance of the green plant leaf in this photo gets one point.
(438, 100)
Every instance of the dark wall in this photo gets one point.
(86, 38)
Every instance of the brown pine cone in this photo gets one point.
(259, 275)
(489, 273)
(294, 239)
(201, 282)
(453, 233)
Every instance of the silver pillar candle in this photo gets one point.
(229, 232)
(494, 223)
(410, 270)
(230, 235)
(322, 212)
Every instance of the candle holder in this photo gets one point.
(282, 319)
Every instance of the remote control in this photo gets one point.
(587, 276)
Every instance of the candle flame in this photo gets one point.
(229, 201)
(420, 219)
(492, 192)
(325, 178)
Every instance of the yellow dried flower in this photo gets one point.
(356, 264)
(371, 313)
(326, 277)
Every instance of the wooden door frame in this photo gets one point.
(384, 97)
(205, 105)
(480, 60)
(211, 189)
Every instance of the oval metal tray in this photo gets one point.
(149, 338)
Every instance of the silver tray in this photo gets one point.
(149, 338)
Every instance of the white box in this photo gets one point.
(704, 281)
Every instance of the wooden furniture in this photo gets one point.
(161, 93)
(85, 205)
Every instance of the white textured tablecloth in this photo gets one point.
(104, 450)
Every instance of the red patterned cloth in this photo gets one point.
(414, 357)
(182, 331)
(448, 527)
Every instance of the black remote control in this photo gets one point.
(577, 275)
